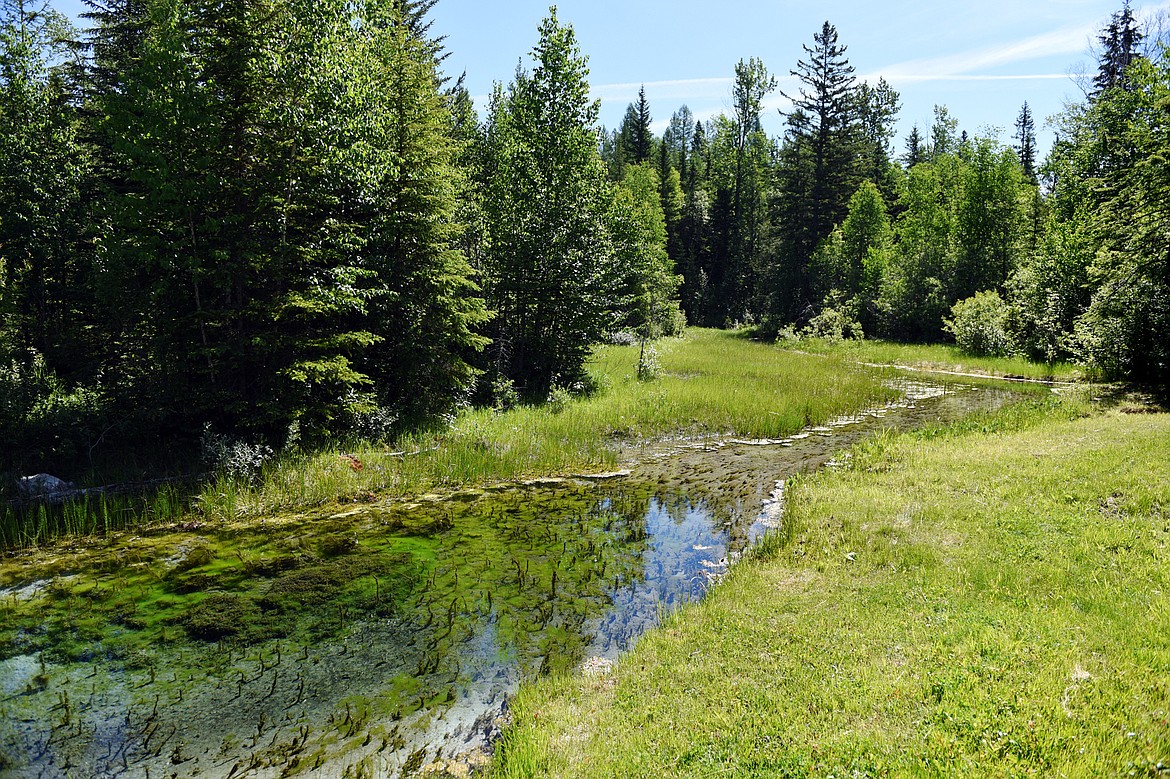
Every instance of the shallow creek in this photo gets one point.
(385, 640)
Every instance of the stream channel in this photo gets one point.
(383, 641)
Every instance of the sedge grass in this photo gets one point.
(989, 601)
(712, 383)
(942, 357)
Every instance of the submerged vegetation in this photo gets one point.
(266, 262)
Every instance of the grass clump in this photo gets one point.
(940, 357)
(993, 601)
(708, 382)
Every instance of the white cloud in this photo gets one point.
(1072, 40)
(661, 90)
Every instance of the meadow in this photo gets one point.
(990, 599)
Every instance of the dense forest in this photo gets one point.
(283, 223)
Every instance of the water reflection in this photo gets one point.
(378, 641)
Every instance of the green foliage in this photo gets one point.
(836, 321)
(637, 225)
(1126, 329)
(961, 231)
(1050, 289)
(45, 294)
(549, 272)
(42, 420)
(979, 325)
(425, 308)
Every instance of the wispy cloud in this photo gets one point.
(704, 87)
(965, 65)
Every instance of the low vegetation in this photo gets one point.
(942, 358)
(709, 383)
(985, 600)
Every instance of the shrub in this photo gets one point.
(980, 325)
(837, 321)
(232, 457)
(558, 399)
(504, 395)
(649, 368)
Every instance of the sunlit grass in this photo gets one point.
(712, 383)
(991, 601)
(942, 357)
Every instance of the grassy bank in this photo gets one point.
(993, 601)
(712, 382)
(941, 357)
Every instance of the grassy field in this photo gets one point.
(941, 357)
(712, 382)
(987, 601)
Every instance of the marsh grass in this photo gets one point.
(712, 383)
(942, 357)
(97, 514)
(991, 600)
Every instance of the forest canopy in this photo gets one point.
(283, 222)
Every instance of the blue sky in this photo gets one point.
(981, 59)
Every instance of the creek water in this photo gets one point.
(384, 641)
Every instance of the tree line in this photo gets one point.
(830, 231)
(280, 220)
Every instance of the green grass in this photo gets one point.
(941, 357)
(712, 383)
(992, 600)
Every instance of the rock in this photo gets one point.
(42, 485)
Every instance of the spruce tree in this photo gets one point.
(1026, 142)
(44, 302)
(1120, 41)
(550, 274)
(915, 153)
(819, 168)
(237, 164)
(424, 307)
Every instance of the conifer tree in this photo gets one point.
(914, 149)
(877, 113)
(44, 299)
(818, 169)
(550, 271)
(1120, 42)
(424, 307)
(1026, 142)
(636, 140)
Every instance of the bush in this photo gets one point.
(232, 457)
(504, 395)
(980, 325)
(674, 321)
(649, 368)
(558, 399)
(837, 321)
(42, 420)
